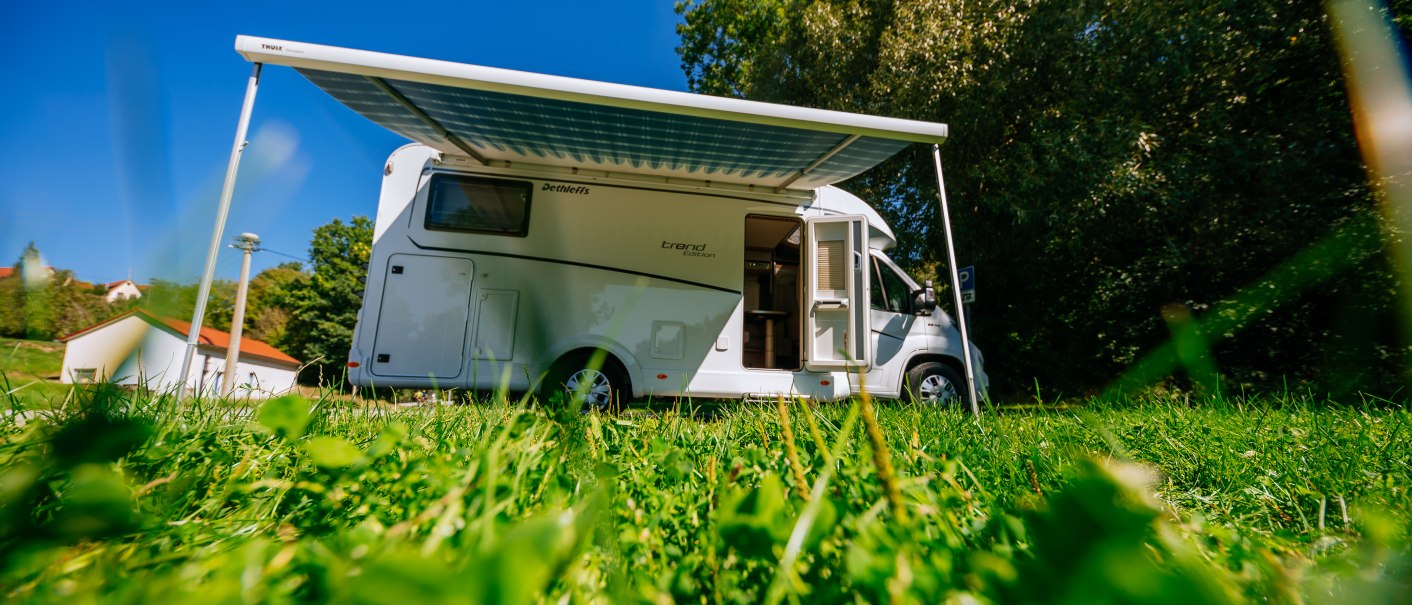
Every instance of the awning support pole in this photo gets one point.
(222, 211)
(823, 158)
(411, 107)
(956, 285)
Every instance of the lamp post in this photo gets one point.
(248, 243)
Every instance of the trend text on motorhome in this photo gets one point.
(688, 249)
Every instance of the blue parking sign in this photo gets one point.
(967, 277)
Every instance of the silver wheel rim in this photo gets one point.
(597, 389)
(935, 388)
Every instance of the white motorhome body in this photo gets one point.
(695, 241)
(486, 278)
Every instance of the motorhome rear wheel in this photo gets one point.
(602, 389)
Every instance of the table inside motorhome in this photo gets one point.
(769, 317)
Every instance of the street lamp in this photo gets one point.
(248, 242)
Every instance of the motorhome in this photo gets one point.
(484, 277)
(546, 233)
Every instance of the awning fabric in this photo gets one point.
(497, 116)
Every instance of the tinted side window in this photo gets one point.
(879, 293)
(478, 205)
(890, 292)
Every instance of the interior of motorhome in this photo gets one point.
(773, 295)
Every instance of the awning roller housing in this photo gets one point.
(496, 115)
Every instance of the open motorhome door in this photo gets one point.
(836, 326)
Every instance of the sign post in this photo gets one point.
(956, 286)
(967, 277)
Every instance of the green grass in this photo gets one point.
(1152, 501)
(29, 371)
(28, 360)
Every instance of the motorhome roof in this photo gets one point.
(499, 116)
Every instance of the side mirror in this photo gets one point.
(924, 300)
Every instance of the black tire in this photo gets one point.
(603, 388)
(934, 383)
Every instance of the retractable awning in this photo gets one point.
(497, 116)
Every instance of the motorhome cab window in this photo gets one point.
(772, 293)
(478, 205)
(890, 291)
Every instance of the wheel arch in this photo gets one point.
(952, 362)
(622, 361)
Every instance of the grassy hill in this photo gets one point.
(28, 360)
(29, 371)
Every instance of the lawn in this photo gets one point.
(1149, 500)
(28, 360)
(29, 372)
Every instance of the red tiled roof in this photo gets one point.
(8, 271)
(210, 337)
(219, 339)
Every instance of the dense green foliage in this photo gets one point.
(38, 302)
(319, 330)
(1116, 168)
(178, 301)
(118, 498)
(271, 303)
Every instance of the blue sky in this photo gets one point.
(119, 117)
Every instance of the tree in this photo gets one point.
(326, 304)
(272, 299)
(41, 303)
(178, 301)
(35, 308)
(1109, 160)
(72, 305)
(12, 303)
(726, 64)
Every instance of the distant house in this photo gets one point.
(141, 348)
(44, 271)
(122, 290)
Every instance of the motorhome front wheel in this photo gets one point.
(934, 383)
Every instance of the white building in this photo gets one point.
(122, 290)
(142, 348)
